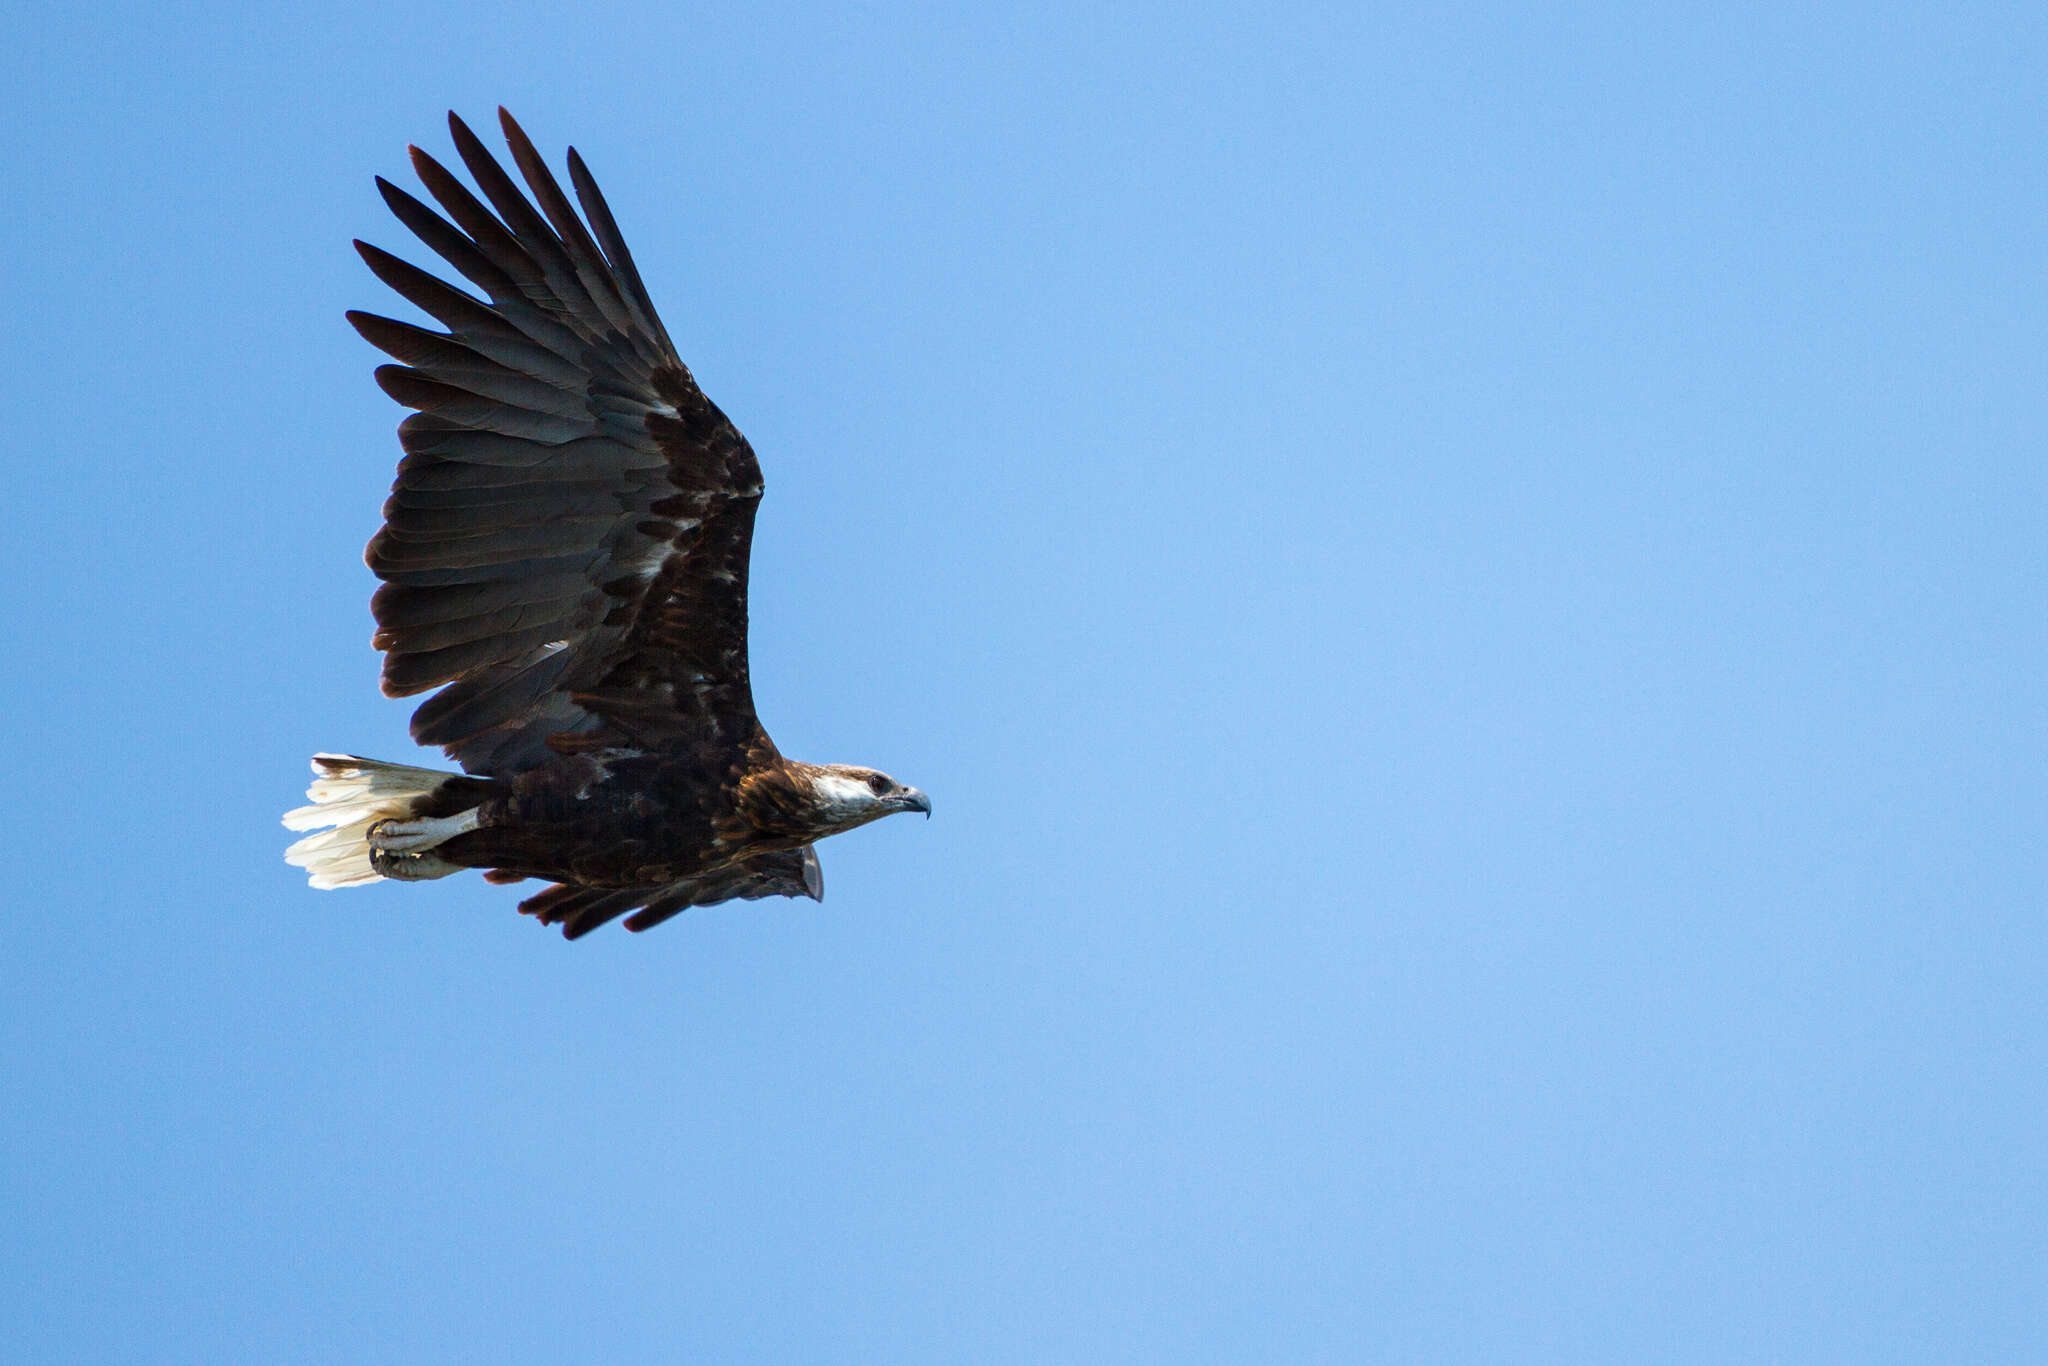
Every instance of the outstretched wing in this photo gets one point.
(579, 910)
(566, 543)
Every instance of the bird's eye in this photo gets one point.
(878, 784)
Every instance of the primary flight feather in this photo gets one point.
(564, 554)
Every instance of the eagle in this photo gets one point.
(564, 556)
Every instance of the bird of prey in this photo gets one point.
(565, 549)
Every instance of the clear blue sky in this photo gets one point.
(1467, 583)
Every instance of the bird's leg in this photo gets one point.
(418, 836)
(403, 849)
(412, 867)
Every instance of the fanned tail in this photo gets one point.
(353, 794)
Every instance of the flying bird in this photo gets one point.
(564, 555)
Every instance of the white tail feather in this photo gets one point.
(352, 794)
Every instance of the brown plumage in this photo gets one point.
(564, 555)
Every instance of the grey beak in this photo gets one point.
(913, 800)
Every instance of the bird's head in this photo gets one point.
(847, 795)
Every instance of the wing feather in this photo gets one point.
(452, 407)
(490, 550)
(475, 625)
(531, 236)
(478, 323)
(411, 671)
(399, 607)
(614, 246)
(483, 361)
(584, 257)
(579, 910)
(411, 521)
(490, 271)
(502, 702)
(444, 576)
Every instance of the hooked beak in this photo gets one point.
(914, 800)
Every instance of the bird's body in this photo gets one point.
(566, 549)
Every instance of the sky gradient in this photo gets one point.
(1467, 588)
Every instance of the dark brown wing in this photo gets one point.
(579, 910)
(566, 543)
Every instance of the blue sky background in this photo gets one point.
(1467, 584)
